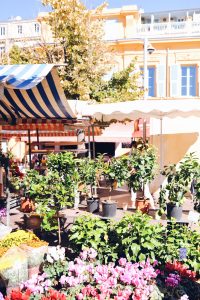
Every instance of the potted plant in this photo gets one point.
(115, 173)
(179, 178)
(65, 164)
(26, 184)
(142, 167)
(195, 190)
(52, 193)
(88, 180)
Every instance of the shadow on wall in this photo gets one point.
(175, 147)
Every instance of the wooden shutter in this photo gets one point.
(161, 81)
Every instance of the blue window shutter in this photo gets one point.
(161, 80)
(175, 81)
(151, 81)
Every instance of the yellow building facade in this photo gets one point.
(173, 69)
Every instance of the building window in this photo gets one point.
(19, 29)
(2, 50)
(37, 27)
(188, 81)
(2, 30)
(111, 29)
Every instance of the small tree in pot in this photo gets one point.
(115, 172)
(179, 178)
(142, 170)
(87, 169)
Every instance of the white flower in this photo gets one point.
(184, 297)
(49, 259)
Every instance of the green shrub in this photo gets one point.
(92, 232)
(178, 237)
(137, 239)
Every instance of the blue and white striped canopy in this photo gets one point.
(32, 91)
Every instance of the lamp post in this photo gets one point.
(148, 49)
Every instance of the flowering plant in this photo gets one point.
(38, 284)
(85, 278)
(2, 212)
(181, 269)
(55, 264)
(176, 280)
(27, 295)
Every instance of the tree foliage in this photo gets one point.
(79, 46)
(124, 85)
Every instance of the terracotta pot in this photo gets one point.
(33, 271)
(33, 221)
(27, 205)
(142, 204)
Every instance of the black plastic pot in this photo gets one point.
(109, 209)
(174, 211)
(93, 204)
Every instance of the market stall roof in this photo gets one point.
(6, 134)
(32, 91)
(132, 110)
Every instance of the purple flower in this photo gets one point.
(2, 212)
(172, 280)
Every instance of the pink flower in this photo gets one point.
(122, 261)
(83, 255)
(92, 253)
(79, 296)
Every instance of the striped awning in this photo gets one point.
(32, 91)
(7, 134)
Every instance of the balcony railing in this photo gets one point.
(171, 28)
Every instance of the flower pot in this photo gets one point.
(174, 211)
(33, 221)
(33, 271)
(93, 204)
(109, 209)
(142, 205)
(27, 205)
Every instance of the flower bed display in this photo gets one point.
(85, 278)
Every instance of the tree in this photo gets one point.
(81, 38)
(124, 85)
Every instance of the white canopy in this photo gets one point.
(140, 109)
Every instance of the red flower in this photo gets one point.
(54, 295)
(181, 269)
(16, 294)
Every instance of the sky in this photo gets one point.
(29, 9)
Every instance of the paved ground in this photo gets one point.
(123, 199)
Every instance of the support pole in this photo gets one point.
(145, 68)
(144, 130)
(93, 143)
(145, 84)
(8, 207)
(89, 146)
(37, 136)
(161, 148)
(29, 148)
